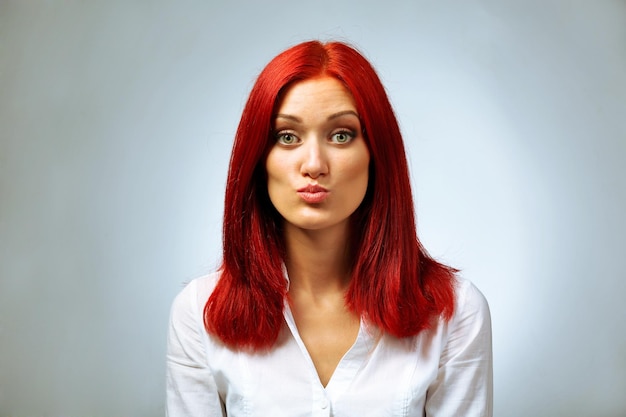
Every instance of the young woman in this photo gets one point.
(326, 304)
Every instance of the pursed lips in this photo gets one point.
(313, 193)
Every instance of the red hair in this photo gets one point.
(395, 284)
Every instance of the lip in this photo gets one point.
(313, 193)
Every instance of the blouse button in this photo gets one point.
(324, 403)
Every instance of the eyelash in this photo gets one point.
(346, 132)
(281, 135)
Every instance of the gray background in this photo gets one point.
(116, 121)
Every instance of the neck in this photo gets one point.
(317, 261)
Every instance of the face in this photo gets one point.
(317, 169)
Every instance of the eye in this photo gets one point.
(343, 136)
(286, 138)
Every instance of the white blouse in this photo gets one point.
(442, 372)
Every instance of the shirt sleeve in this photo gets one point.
(464, 383)
(190, 386)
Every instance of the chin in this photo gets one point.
(315, 224)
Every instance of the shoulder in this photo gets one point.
(464, 382)
(190, 301)
(469, 299)
(471, 322)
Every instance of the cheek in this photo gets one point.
(278, 163)
(270, 163)
(276, 176)
(272, 168)
(358, 167)
(364, 172)
(356, 173)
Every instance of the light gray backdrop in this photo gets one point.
(116, 121)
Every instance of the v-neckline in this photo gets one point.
(347, 367)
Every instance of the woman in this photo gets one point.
(326, 304)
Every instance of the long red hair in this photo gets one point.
(395, 284)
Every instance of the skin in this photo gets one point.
(319, 141)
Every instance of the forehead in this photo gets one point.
(321, 95)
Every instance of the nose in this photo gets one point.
(314, 159)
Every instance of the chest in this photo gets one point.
(326, 338)
(376, 376)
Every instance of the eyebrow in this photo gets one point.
(331, 117)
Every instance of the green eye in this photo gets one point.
(342, 137)
(286, 138)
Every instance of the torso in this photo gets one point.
(379, 375)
